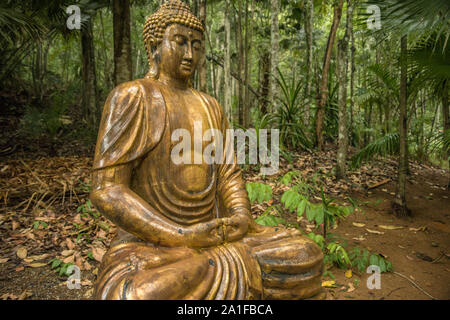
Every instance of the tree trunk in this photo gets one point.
(227, 63)
(202, 66)
(265, 81)
(309, 26)
(320, 114)
(89, 100)
(274, 36)
(352, 84)
(122, 41)
(241, 63)
(248, 56)
(403, 158)
(446, 120)
(342, 68)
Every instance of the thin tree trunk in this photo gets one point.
(227, 63)
(352, 84)
(107, 71)
(202, 66)
(122, 41)
(320, 114)
(446, 121)
(265, 81)
(89, 100)
(309, 25)
(342, 67)
(241, 64)
(248, 59)
(402, 166)
(274, 36)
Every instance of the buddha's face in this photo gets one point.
(180, 51)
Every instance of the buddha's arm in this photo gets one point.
(232, 192)
(113, 197)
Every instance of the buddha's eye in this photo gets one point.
(180, 40)
(196, 45)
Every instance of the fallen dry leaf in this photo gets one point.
(70, 244)
(4, 260)
(39, 257)
(86, 283)
(25, 294)
(348, 273)
(359, 225)
(22, 252)
(374, 231)
(36, 265)
(329, 284)
(69, 259)
(14, 225)
(98, 253)
(361, 238)
(418, 229)
(89, 293)
(350, 287)
(387, 227)
(66, 253)
(9, 296)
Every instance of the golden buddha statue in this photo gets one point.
(185, 230)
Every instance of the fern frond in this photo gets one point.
(389, 144)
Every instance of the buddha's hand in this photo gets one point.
(204, 234)
(236, 226)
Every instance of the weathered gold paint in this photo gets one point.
(185, 231)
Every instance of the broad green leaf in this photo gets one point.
(373, 260)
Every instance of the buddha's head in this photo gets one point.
(173, 38)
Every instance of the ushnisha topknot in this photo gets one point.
(171, 11)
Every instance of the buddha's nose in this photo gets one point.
(188, 52)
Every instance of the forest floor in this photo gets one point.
(45, 215)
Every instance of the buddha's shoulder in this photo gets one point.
(136, 86)
(207, 97)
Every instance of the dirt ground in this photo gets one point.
(418, 249)
(405, 248)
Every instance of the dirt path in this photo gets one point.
(405, 248)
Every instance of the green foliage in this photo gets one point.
(85, 187)
(318, 239)
(38, 223)
(258, 192)
(86, 210)
(336, 254)
(361, 259)
(50, 121)
(62, 268)
(389, 144)
(267, 219)
(290, 114)
(326, 212)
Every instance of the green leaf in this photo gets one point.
(269, 220)
(382, 265)
(319, 216)
(373, 260)
(301, 207)
(56, 263)
(310, 212)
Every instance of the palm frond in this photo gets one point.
(418, 18)
(389, 144)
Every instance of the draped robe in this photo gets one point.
(137, 125)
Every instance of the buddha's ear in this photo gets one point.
(153, 58)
